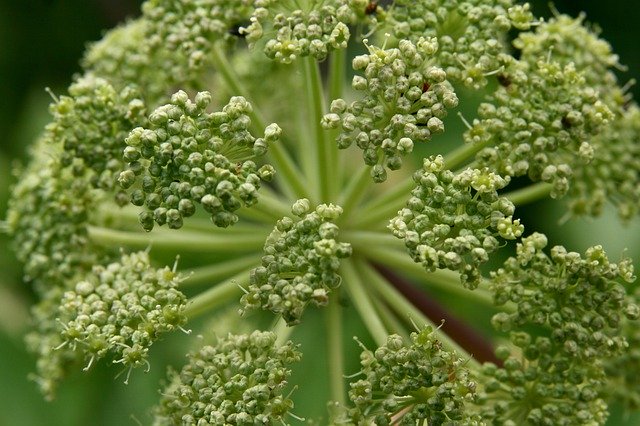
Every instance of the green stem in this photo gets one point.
(310, 144)
(386, 206)
(272, 205)
(291, 182)
(259, 216)
(355, 190)
(363, 304)
(217, 296)
(282, 331)
(334, 328)
(371, 241)
(337, 79)
(187, 241)
(214, 273)
(389, 319)
(399, 260)
(459, 156)
(322, 179)
(529, 194)
(337, 73)
(403, 307)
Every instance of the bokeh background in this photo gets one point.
(41, 43)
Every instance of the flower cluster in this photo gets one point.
(555, 115)
(301, 262)
(622, 370)
(452, 220)
(579, 307)
(411, 383)
(291, 34)
(577, 297)
(567, 40)
(49, 213)
(48, 220)
(190, 157)
(239, 380)
(612, 174)
(405, 100)
(470, 33)
(123, 58)
(540, 388)
(184, 32)
(539, 123)
(121, 309)
(92, 124)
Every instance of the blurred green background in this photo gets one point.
(40, 46)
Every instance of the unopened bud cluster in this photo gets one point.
(92, 123)
(184, 32)
(410, 383)
(123, 58)
(579, 307)
(470, 33)
(452, 220)
(613, 172)
(577, 297)
(404, 103)
(121, 309)
(238, 381)
(624, 385)
(291, 34)
(301, 262)
(188, 156)
(539, 123)
(543, 388)
(48, 219)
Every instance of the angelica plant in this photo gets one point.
(271, 156)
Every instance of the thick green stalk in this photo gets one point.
(290, 175)
(271, 205)
(371, 241)
(337, 73)
(183, 241)
(354, 191)
(282, 331)
(335, 350)
(217, 296)
(337, 78)
(364, 306)
(256, 215)
(218, 271)
(529, 194)
(321, 174)
(383, 208)
(389, 319)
